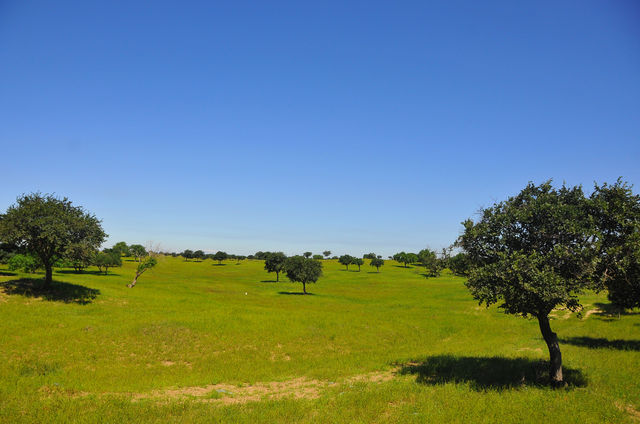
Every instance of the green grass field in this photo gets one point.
(198, 342)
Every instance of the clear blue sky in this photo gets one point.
(294, 126)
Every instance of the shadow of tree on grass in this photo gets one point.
(610, 312)
(7, 274)
(296, 293)
(602, 343)
(488, 373)
(58, 291)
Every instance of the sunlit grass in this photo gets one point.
(91, 349)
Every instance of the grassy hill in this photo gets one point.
(199, 342)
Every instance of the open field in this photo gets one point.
(198, 342)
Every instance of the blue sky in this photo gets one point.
(294, 126)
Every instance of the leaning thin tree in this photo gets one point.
(146, 264)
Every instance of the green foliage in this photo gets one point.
(377, 262)
(275, 262)
(370, 256)
(106, 260)
(138, 251)
(122, 248)
(405, 258)
(303, 270)
(220, 256)
(24, 263)
(327, 253)
(432, 264)
(459, 264)
(199, 255)
(46, 226)
(533, 251)
(318, 257)
(81, 255)
(346, 260)
(617, 213)
(187, 254)
(307, 254)
(358, 261)
(7, 251)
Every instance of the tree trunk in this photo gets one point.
(358, 268)
(555, 357)
(133, 283)
(277, 276)
(48, 275)
(304, 288)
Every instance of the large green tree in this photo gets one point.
(46, 226)
(617, 213)
(275, 262)
(303, 270)
(533, 252)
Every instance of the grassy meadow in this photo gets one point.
(202, 342)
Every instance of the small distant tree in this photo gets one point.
(24, 263)
(106, 260)
(303, 270)
(220, 256)
(405, 258)
(138, 251)
(199, 255)
(122, 248)
(275, 262)
(432, 264)
(459, 264)
(46, 226)
(145, 265)
(377, 262)
(346, 260)
(369, 256)
(240, 258)
(307, 254)
(359, 262)
(318, 257)
(81, 255)
(187, 254)
(327, 253)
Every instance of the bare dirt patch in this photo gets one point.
(629, 409)
(297, 388)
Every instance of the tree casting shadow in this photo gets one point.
(593, 343)
(268, 281)
(492, 373)
(296, 293)
(58, 291)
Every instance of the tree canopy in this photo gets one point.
(138, 251)
(275, 262)
(377, 262)
(346, 260)
(542, 248)
(303, 270)
(47, 226)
